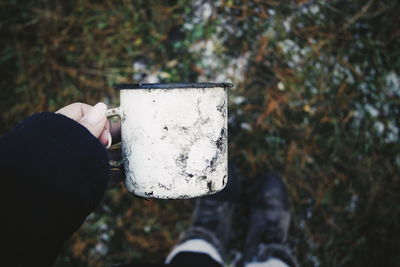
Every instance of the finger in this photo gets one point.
(105, 137)
(95, 119)
(115, 130)
(75, 111)
(108, 125)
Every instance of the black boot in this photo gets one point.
(268, 222)
(212, 216)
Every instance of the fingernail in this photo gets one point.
(96, 114)
(109, 141)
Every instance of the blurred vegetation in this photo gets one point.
(316, 97)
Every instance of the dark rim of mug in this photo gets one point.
(124, 86)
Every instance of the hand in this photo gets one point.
(95, 120)
(92, 117)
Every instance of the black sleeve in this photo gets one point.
(53, 174)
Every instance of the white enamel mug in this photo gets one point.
(174, 138)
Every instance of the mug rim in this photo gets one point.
(125, 86)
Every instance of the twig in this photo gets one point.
(362, 12)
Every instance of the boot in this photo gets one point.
(269, 222)
(212, 216)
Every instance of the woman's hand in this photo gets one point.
(95, 120)
(92, 117)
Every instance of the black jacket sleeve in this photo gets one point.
(53, 174)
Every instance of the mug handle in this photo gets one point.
(113, 112)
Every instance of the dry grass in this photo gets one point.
(321, 111)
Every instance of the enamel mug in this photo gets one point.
(174, 138)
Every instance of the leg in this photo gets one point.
(206, 240)
(269, 224)
(269, 263)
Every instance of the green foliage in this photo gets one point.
(316, 97)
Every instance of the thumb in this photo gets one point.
(95, 119)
